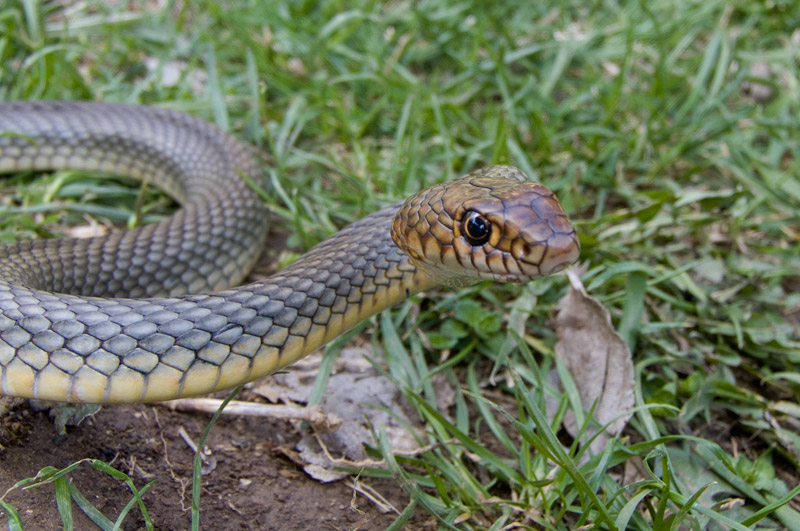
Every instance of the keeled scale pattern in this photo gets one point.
(121, 350)
(210, 243)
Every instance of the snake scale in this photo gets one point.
(148, 314)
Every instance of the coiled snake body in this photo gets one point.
(137, 315)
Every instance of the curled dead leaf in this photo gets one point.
(597, 358)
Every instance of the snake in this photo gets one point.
(158, 312)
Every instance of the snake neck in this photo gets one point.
(345, 279)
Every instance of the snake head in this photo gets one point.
(489, 224)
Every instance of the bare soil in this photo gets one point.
(248, 483)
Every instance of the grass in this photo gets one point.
(685, 191)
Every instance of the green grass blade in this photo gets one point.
(63, 502)
(14, 521)
(197, 462)
(90, 510)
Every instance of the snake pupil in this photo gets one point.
(476, 229)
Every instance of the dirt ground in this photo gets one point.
(249, 483)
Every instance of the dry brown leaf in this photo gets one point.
(597, 358)
(353, 384)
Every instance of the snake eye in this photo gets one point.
(476, 229)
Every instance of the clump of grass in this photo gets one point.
(684, 189)
(66, 493)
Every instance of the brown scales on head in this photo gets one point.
(489, 224)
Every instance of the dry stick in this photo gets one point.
(314, 415)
